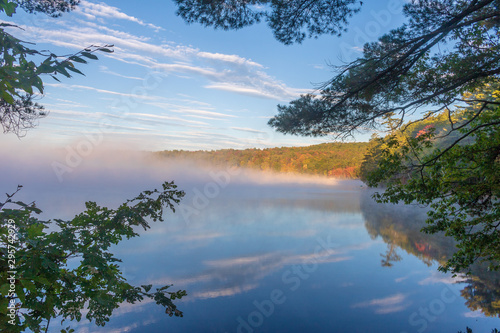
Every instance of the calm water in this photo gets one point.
(259, 254)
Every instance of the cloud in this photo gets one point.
(197, 112)
(103, 91)
(155, 118)
(230, 58)
(249, 130)
(94, 10)
(316, 66)
(474, 314)
(106, 70)
(438, 277)
(401, 279)
(224, 72)
(234, 275)
(390, 304)
(224, 292)
(240, 261)
(244, 90)
(199, 237)
(207, 73)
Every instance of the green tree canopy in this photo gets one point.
(290, 21)
(21, 76)
(53, 8)
(451, 163)
(38, 283)
(446, 48)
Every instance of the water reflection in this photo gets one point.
(399, 226)
(341, 263)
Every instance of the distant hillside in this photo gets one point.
(340, 160)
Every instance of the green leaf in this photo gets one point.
(7, 97)
(61, 69)
(89, 55)
(147, 288)
(75, 70)
(4, 303)
(9, 8)
(35, 230)
(20, 293)
(105, 50)
(38, 83)
(28, 285)
(78, 59)
(26, 86)
(4, 289)
(164, 287)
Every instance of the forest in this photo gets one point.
(339, 160)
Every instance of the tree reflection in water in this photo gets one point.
(399, 226)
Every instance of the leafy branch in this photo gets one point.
(46, 288)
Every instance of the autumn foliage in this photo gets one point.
(338, 160)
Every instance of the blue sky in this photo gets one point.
(170, 85)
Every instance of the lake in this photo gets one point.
(271, 253)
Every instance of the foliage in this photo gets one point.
(399, 227)
(290, 21)
(58, 268)
(20, 75)
(53, 8)
(21, 115)
(482, 294)
(340, 160)
(445, 49)
(458, 179)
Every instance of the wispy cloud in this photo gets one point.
(245, 129)
(244, 90)
(103, 91)
(156, 118)
(438, 277)
(225, 72)
(474, 314)
(101, 10)
(106, 70)
(390, 304)
(224, 292)
(230, 276)
(197, 112)
(229, 58)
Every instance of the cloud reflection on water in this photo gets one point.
(386, 305)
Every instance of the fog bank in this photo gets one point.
(60, 181)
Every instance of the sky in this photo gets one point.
(169, 85)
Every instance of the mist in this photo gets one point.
(60, 181)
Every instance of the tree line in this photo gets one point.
(339, 160)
